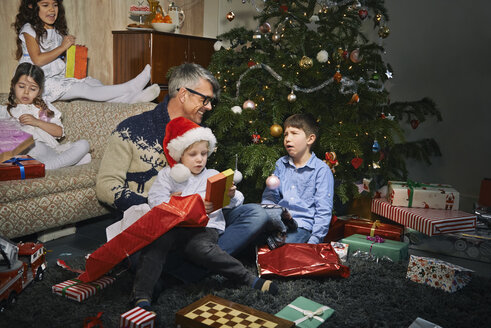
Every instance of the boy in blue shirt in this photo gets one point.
(306, 183)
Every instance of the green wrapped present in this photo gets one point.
(395, 250)
(305, 313)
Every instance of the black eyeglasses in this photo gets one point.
(206, 99)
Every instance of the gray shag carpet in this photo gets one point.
(374, 295)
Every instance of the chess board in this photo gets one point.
(215, 312)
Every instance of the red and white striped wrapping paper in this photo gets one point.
(78, 291)
(431, 222)
(137, 318)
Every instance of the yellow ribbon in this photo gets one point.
(375, 225)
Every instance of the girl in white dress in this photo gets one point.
(42, 120)
(43, 37)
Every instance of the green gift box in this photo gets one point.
(305, 313)
(395, 250)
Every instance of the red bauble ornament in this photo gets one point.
(363, 13)
(256, 138)
(345, 54)
(251, 63)
(284, 8)
(356, 162)
(414, 124)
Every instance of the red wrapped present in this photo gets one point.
(187, 211)
(217, 188)
(76, 62)
(289, 260)
(137, 318)
(77, 290)
(431, 222)
(336, 229)
(372, 228)
(21, 167)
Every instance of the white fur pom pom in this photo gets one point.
(237, 109)
(180, 173)
(217, 45)
(322, 56)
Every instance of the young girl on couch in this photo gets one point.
(42, 120)
(43, 37)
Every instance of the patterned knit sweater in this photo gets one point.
(132, 159)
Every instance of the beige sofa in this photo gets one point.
(64, 196)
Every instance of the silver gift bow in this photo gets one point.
(309, 314)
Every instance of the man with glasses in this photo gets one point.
(134, 154)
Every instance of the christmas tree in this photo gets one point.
(314, 56)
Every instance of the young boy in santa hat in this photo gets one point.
(187, 147)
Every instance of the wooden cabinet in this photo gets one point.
(132, 50)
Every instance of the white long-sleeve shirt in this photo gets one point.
(165, 185)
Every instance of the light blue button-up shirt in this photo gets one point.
(307, 192)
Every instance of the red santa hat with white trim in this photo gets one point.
(181, 133)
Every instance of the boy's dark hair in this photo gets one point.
(305, 122)
(37, 74)
(29, 13)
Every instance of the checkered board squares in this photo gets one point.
(215, 312)
(218, 316)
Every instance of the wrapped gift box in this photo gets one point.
(76, 62)
(336, 228)
(395, 250)
(319, 260)
(12, 139)
(436, 196)
(78, 291)
(21, 167)
(473, 246)
(212, 311)
(437, 273)
(305, 313)
(428, 221)
(372, 228)
(137, 318)
(217, 188)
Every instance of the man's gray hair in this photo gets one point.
(188, 75)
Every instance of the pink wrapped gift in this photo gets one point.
(12, 139)
(415, 194)
(437, 273)
(137, 318)
(76, 290)
(428, 221)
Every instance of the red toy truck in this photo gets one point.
(19, 265)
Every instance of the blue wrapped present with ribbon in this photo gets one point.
(423, 195)
(21, 167)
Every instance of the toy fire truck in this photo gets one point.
(19, 265)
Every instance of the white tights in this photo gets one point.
(129, 92)
(77, 154)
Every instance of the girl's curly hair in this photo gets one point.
(37, 74)
(29, 13)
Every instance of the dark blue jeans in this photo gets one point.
(199, 245)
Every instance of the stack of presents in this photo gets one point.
(410, 216)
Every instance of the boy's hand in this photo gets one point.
(28, 119)
(231, 191)
(177, 193)
(208, 206)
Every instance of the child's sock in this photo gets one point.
(265, 286)
(85, 160)
(147, 95)
(144, 303)
(141, 80)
